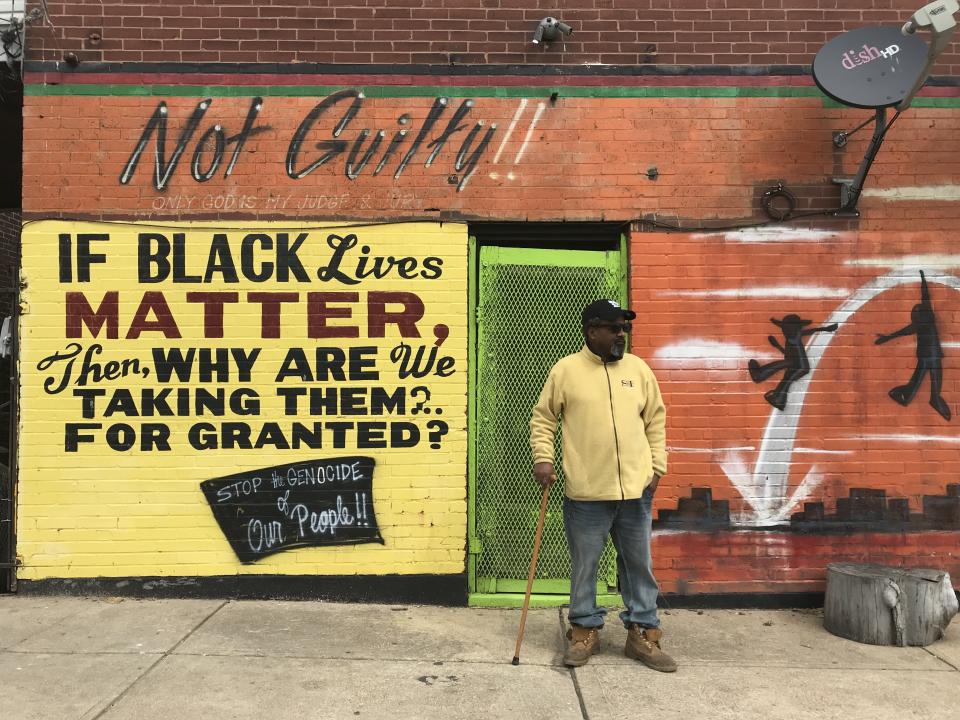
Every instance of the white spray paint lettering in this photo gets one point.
(262, 536)
(311, 523)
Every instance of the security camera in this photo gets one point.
(551, 29)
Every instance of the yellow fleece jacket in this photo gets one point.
(614, 426)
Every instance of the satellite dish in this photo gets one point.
(871, 67)
(879, 67)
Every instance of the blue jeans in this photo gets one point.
(628, 522)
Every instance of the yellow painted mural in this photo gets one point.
(274, 398)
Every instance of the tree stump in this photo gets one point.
(881, 605)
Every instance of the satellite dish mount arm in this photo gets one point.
(850, 189)
(938, 16)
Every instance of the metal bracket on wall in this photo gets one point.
(846, 186)
(850, 189)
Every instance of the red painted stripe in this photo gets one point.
(418, 80)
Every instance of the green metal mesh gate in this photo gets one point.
(527, 318)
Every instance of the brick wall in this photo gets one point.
(864, 476)
(706, 298)
(444, 32)
(578, 158)
(841, 459)
(9, 249)
(118, 508)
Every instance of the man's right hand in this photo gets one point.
(543, 474)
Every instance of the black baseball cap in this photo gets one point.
(605, 311)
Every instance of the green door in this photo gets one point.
(528, 317)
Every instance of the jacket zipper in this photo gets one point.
(616, 438)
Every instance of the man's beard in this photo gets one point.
(616, 352)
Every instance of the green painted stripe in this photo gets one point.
(920, 102)
(393, 91)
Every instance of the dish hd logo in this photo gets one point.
(851, 60)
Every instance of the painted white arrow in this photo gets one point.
(765, 489)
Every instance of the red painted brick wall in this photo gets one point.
(586, 159)
(616, 32)
(705, 303)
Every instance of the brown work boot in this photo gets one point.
(643, 644)
(583, 643)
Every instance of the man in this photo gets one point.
(614, 454)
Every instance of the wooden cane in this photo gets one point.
(533, 569)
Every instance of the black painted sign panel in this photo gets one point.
(871, 67)
(314, 502)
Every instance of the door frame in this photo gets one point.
(546, 236)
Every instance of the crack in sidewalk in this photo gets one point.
(573, 671)
(160, 659)
(943, 660)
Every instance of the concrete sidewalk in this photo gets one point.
(124, 659)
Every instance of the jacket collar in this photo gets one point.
(590, 355)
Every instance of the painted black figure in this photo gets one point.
(929, 353)
(794, 363)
